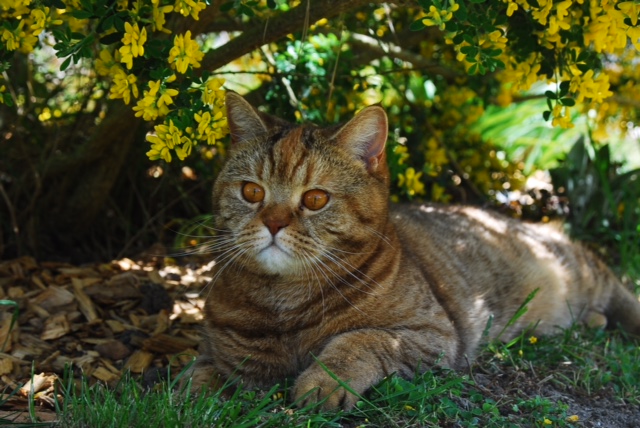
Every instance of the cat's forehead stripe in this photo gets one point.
(289, 156)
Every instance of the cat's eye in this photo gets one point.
(252, 192)
(315, 199)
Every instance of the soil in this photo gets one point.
(143, 316)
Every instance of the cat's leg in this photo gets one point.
(362, 358)
(202, 376)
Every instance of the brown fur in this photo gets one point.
(368, 291)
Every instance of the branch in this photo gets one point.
(361, 42)
(277, 28)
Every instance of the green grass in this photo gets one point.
(501, 389)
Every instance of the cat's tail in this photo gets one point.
(623, 308)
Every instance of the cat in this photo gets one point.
(314, 268)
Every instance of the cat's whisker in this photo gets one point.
(327, 268)
(230, 258)
(213, 244)
(378, 234)
(308, 262)
(351, 271)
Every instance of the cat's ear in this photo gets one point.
(245, 122)
(365, 136)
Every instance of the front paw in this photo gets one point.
(316, 385)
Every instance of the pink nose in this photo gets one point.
(274, 225)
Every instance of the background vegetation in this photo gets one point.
(112, 121)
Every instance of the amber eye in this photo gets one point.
(252, 192)
(315, 199)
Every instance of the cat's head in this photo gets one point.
(295, 199)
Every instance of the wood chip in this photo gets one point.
(6, 366)
(53, 297)
(116, 326)
(6, 320)
(55, 327)
(114, 350)
(105, 375)
(37, 383)
(139, 361)
(86, 305)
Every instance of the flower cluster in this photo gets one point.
(159, 79)
(23, 25)
(491, 39)
(439, 16)
(207, 125)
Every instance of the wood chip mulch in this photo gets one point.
(101, 320)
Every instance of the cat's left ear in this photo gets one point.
(365, 136)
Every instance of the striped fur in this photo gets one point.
(367, 290)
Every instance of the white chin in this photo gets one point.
(276, 261)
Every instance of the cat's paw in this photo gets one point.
(315, 385)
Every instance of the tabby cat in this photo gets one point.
(313, 265)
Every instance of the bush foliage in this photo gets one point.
(112, 112)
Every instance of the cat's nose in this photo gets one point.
(275, 224)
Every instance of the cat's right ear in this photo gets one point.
(365, 137)
(244, 121)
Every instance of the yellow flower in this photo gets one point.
(513, 6)
(155, 101)
(435, 154)
(402, 153)
(124, 85)
(39, 17)
(212, 93)
(203, 120)
(547, 421)
(189, 7)
(133, 41)
(573, 418)
(438, 193)
(561, 117)
(437, 17)
(19, 39)
(541, 15)
(185, 52)
(157, 24)
(106, 65)
(533, 340)
(410, 180)
(631, 9)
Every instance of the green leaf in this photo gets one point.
(106, 24)
(473, 69)
(569, 102)
(81, 14)
(546, 115)
(246, 10)
(417, 25)
(58, 4)
(8, 99)
(110, 38)
(564, 88)
(65, 64)
(469, 50)
(226, 7)
(271, 4)
(551, 95)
